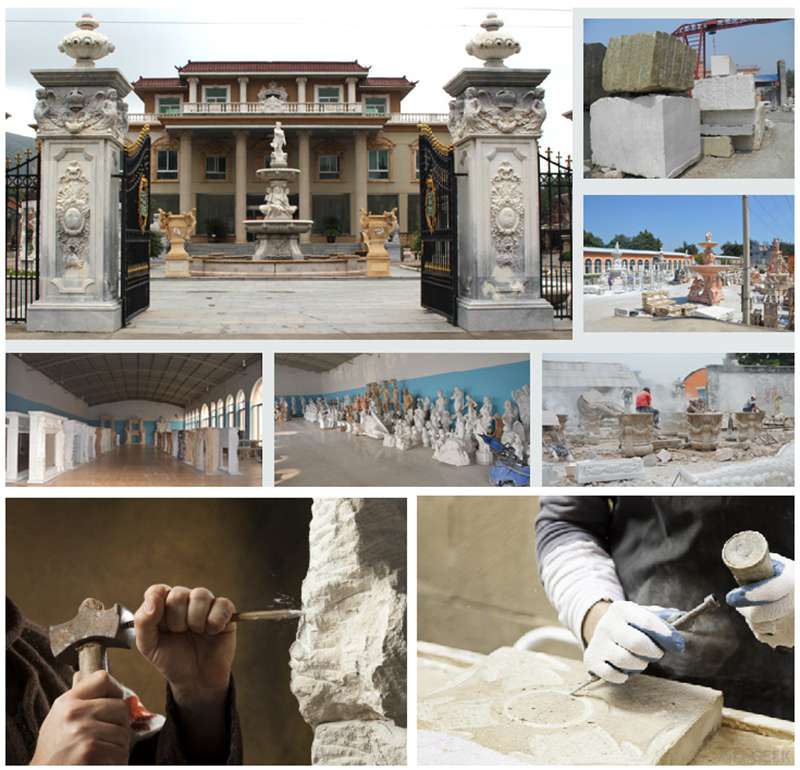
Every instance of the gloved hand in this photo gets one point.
(628, 638)
(768, 605)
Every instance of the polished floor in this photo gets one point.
(308, 456)
(137, 466)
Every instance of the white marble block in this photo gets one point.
(229, 449)
(654, 136)
(588, 471)
(46, 447)
(735, 92)
(722, 65)
(17, 443)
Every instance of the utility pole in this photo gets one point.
(746, 262)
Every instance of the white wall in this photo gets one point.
(26, 383)
(145, 410)
(244, 380)
(374, 367)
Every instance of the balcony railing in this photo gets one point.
(418, 117)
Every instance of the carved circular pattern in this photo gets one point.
(548, 709)
(73, 221)
(507, 220)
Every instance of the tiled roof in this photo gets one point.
(193, 67)
(146, 83)
(402, 82)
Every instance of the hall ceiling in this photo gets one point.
(314, 362)
(100, 378)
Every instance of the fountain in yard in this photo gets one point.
(278, 233)
(706, 289)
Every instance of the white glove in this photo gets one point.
(768, 605)
(628, 638)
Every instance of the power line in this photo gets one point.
(250, 23)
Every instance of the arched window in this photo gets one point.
(608, 264)
(241, 412)
(624, 264)
(256, 411)
(587, 266)
(213, 410)
(598, 266)
(647, 264)
(220, 413)
(639, 264)
(229, 416)
(204, 416)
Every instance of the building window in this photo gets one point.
(329, 94)
(220, 414)
(256, 405)
(167, 164)
(215, 94)
(375, 105)
(587, 266)
(608, 264)
(598, 266)
(229, 422)
(215, 167)
(241, 412)
(213, 414)
(169, 105)
(378, 164)
(416, 164)
(413, 213)
(329, 167)
(204, 416)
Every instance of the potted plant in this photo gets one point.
(331, 229)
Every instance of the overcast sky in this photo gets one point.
(422, 40)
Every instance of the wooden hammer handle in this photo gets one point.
(92, 657)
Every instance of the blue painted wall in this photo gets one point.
(494, 381)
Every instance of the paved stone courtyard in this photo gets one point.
(301, 309)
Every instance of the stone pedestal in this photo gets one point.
(636, 434)
(496, 117)
(134, 432)
(747, 424)
(178, 228)
(213, 450)
(704, 430)
(376, 229)
(81, 121)
(229, 450)
(17, 446)
(46, 447)
(349, 659)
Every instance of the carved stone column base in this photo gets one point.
(377, 267)
(501, 316)
(273, 246)
(177, 268)
(85, 317)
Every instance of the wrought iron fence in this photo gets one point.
(555, 231)
(22, 235)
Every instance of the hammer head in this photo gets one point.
(112, 627)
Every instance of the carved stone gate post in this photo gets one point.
(495, 120)
(81, 122)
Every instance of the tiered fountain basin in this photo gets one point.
(333, 266)
(707, 286)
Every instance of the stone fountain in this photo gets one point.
(706, 289)
(278, 233)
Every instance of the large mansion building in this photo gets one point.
(345, 130)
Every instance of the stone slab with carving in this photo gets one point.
(518, 705)
(374, 742)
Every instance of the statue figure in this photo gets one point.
(276, 203)
(408, 400)
(278, 144)
(458, 400)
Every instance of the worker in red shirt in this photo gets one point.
(644, 403)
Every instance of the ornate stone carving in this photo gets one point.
(72, 216)
(491, 45)
(509, 110)
(507, 216)
(70, 109)
(273, 98)
(87, 44)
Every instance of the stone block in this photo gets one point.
(753, 141)
(517, 704)
(653, 136)
(373, 742)
(664, 456)
(722, 65)
(589, 471)
(718, 146)
(593, 55)
(648, 62)
(735, 92)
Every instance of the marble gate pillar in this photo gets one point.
(81, 122)
(496, 117)
(304, 183)
(348, 662)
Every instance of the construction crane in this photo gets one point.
(694, 35)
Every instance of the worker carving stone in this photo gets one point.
(609, 564)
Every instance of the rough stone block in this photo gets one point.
(653, 136)
(589, 471)
(722, 65)
(735, 92)
(375, 742)
(753, 141)
(593, 55)
(518, 704)
(718, 146)
(648, 62)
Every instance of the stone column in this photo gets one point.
(240, 193)
(82, 124)
(304, 184)
(185, 172)
(193, 90)
(301, 93)
(496, 118)
(349, 659)
(358, 200)
(351, 90)
(783, 86)
(243, 91)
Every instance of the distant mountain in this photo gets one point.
(16, 143)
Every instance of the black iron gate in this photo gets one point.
(438, 226)
(22, 235)
(555, 231)
(135, 231)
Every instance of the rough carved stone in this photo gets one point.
(349, 659)
(376, 742)
(775, 471)
(648, 62)
(704, 430)
(590, 471)
(636, 434)
(735, 92)
(747, 424)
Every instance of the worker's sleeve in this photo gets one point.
(574, 565)
(167, 747)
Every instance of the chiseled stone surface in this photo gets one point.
(654, 136)
(718, 146)
(588, 471)
(735, 92)
(593, 55)
(374, 742)
(775, 471)
(348, 661)
(722, 65)
(648, 62)
(518, 704)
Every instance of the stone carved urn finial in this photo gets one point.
(491, 45)
(86, 45)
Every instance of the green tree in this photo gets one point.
(590, 239)
(765, 359)
(623, 240)
(646, 241)
(732, 249)
(687, 248)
